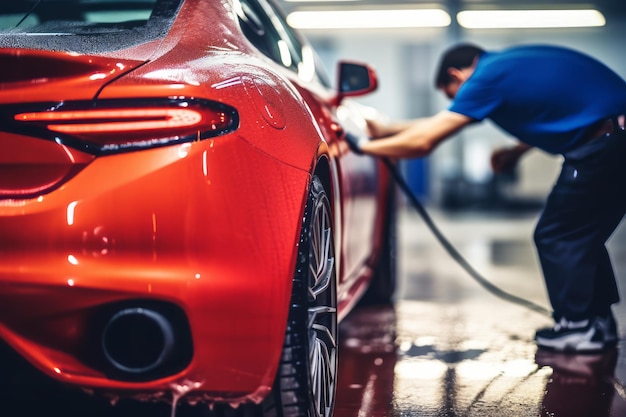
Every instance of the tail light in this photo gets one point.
(112, 126)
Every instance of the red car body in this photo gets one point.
(193, 211)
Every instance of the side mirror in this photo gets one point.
(355, 80)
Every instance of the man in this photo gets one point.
(562, 102)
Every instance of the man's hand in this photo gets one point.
(505, 160)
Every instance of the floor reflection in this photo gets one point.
(580, 385)
(367, 359)
(382, 375)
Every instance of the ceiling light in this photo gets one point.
(369, 19)
(498, 19)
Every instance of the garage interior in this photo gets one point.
(448, 347)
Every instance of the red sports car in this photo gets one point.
(180, 215)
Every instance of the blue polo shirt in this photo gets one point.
(546, 96)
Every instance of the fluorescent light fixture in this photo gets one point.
(499, 19)
(369, 19)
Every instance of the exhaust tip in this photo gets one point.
(138, 340)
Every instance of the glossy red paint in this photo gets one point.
(50, 76)
(29, 167)
(208, 224)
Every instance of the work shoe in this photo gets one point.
(590, 335)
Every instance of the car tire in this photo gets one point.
(306, 378)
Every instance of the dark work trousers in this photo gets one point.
(583, 209)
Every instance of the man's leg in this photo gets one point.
(570, 239)
(582, 211)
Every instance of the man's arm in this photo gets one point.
(419, 137)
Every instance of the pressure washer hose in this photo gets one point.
(452, 250)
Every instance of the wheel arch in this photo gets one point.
(327, 171)
(323, 171)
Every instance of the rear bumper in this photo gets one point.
(213, 236)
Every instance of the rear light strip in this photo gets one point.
(112, 126)
(121, 120)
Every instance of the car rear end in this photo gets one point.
(130, 260)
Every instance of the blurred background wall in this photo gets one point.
(458, 174)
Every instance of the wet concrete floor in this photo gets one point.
(450, 348)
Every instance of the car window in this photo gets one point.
(127, 23)
(264, 25)
(258, 27)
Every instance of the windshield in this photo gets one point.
(125, 23)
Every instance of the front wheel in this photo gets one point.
(306, 378)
